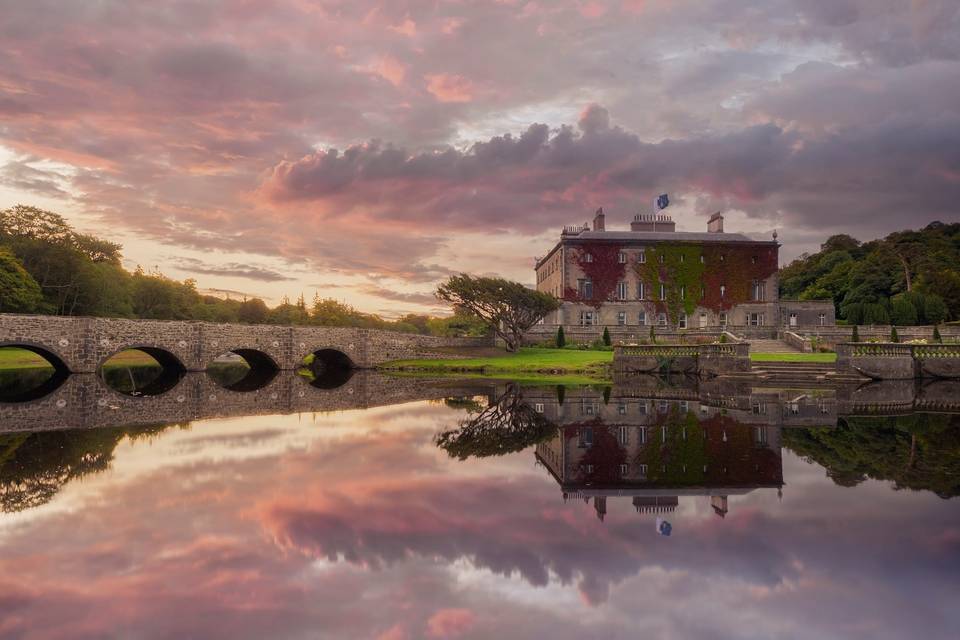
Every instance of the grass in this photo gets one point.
(532, 363)
(828, 358)
(15, 358)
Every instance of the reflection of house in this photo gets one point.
(655, 451)
(655, 276)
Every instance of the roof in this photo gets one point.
(674, 236)
(654, 236)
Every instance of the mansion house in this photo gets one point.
(654, 275)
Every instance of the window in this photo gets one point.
(759, 290)
(622, 258)
(703, 293)
(823, 319)
(723, 319)
(702, 259)
(640, 291)
(760, 435)
(683, 321)
(684, 406)
(623, 469)
(723, 290)
(642, 257)
(682, 258)
(585, 289)
(621, 318)
(660, 258)
(642, 433)
(538, 407)
(586, 436)
(642, 469)
(621, 290)
(586, 318)
(623, 435)
(721, 258)
(642, 318)
(588, 257)
(622, 409)
(683, 292)
(642, 409)
(662, 319)
(663, 291)
(755, 320)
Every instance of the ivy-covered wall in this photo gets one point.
(692, 273)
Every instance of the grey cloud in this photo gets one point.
(229, 269)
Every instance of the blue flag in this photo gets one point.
(662, 201)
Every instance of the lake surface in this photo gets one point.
(401, 508)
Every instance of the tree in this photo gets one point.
(561, 339)
(936, 334)
(253, 311)
(508, 424)
(509, 308)
(856, 334)
(902, 312)
(894, 336)
(653, 335)
(606, 337)
(19, 292)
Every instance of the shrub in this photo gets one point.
(903, 312)
(723, 338)
(561, 339)
(936, 334)
(856, 334)
(606, 336)
(894, 336)
(598, 344)
(653, 336)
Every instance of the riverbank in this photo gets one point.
(575, 366)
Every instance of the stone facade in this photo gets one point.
(83, 344)
(654, 276)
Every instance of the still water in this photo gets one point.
(398, 508)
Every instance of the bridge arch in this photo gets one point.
(330, 367)
(262, 368)
(153, 383)
(33, 384)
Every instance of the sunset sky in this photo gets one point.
(367, 150)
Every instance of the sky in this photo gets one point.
(262, 526)
(365, 151)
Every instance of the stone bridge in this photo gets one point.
(82, 345)
(85, 401)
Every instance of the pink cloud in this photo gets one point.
(449, 87)
(450, 623)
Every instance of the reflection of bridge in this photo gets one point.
(81, 345)
(85, 401)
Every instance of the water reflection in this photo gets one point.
(394, 508)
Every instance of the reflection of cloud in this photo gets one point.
(371, 531)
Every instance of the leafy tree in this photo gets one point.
(856, 334)
(561, 338)
(936, 334)
(902, 312)
(508, 424)
(894, 336)
(253, 311)
(606, 337)
(508, 308)
(19, 292)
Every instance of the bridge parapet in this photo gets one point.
(83, 344)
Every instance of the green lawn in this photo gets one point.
(14, 358)
(571, 366)
(829, 358)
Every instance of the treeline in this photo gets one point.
(906, 278)
(48, 267)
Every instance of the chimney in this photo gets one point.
(653, 222)
(598, 220)
(715, 223)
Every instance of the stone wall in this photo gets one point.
(706, 360)
(83, 344)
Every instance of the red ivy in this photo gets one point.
(737, 270)
(604, 270)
